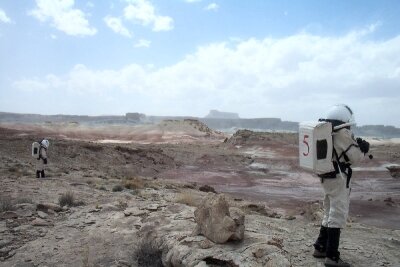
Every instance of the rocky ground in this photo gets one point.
(128, 203)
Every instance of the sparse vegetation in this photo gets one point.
(103, 188)
(147, 253)
(186, 198)
(117, 188)
(207, 188)
(68, 199)
(134, 183)
(6, 204)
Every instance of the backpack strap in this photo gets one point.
(343, 167)
(346, 158)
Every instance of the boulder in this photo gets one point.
(42, 214)
(48, 206)
(215, 221)
(40, 222)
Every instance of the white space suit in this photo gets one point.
(336, 190)
(42, 160)
(336, 185)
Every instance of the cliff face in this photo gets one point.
(60, 118)
(252, 124)
(135, 117)
(222, 121)
(215, 114)
(377, 130)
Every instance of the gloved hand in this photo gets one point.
(45, 161)
(364, 145)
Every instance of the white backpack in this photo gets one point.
(316, 146)
(36, 150)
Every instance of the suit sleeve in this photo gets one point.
(348, 148)
(43, 153)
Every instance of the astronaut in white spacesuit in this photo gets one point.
(42, 159)
(336, 184)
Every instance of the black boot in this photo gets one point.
(42, 172)
(320, 243)
(37, 174)
(332, 249)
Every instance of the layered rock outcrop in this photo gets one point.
(217, 222)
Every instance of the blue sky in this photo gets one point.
(287, 59)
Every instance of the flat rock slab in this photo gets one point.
(152, 207)
(9, 215)
(134, 212)
(40, 222)
(42, 215)
(24, 213)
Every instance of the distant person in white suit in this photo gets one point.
(42, 159)
(336, 184)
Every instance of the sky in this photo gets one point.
(259, 58)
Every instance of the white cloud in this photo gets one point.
(212, 7)
(143, 12)
(3, 17)
(50, 81)
(163, 23)
(295, 78)
(117, 26)
(143, 43)
(63, 16)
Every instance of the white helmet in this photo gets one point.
(45, 143)
(341, 113)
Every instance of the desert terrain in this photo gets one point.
(132, 184)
